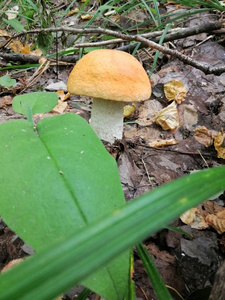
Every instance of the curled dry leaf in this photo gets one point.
(128, 110)
(6, 100)
(167, 118)
(203, 136)
(219, 144)
(162, 143)
(194, 218)
(175, 90)
(86, 17)
(217, 221)
(11, 264)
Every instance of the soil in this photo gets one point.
(188, 266)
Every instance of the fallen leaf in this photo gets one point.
(194, 218)
(217, 221)
(188, 115)
(162, 143)
(167, 118)
(16, 46)
(86, 17)
(175, 90)
(128, 110)
(148, 111)
(12, 13)
(203, 136)
(219, 144)
(60, 107)
(4, 33)
(62, 95)
(6, 100)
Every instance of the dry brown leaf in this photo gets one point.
(167, 118)
(6, 100)
(217, 221)
(203, 136)
(175, 90)
(147, 112)
(60, 107)
(62, 95)
(16, 46)
(162, 143)
(4, 33)
(219, 144)
(194, 218)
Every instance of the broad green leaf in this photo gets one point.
(38, 102)
(49, 273)
(57, 181)
(7, 81)
(15, 23)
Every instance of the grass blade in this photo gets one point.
(153, 274)
(54, 270)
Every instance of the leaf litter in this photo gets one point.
(151, 155)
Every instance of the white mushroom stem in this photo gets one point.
(107, 119)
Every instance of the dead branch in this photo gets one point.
(33, 59)
(207, 69)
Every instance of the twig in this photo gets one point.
(207, 69)
(33, 59)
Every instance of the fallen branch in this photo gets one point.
(34, 59)
(207, 69)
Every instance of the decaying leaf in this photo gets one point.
(86, 17)
(62, 95)
(61, 106)
(147, 112)
(175, 90)
(188, 115)
(217, 221)
(162, 143)
(203, 136)
(6, 100)
(128, 110)
(12, 13)
(167, 118)
(219, 144)
(4, 33)
(194, 218)
(17, 46)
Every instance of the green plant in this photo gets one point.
(60, 192)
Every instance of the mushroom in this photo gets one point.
(111, 77)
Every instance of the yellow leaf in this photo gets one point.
(162, 143)
(167, 118)
(4, 33)
(128, 110)
(175, 90)
(86, 17)
(16, 46)
(25, 50)
(194, 218)
(62, 95)
(219, 144)
(60, 107)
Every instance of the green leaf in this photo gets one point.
(15, 23)
(66, 262)
(39, 102)
(45, 40)
(7, 81)
(57, 182)
(157, 282)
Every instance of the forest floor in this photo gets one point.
(187, 266)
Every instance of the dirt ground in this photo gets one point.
(188, 266)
